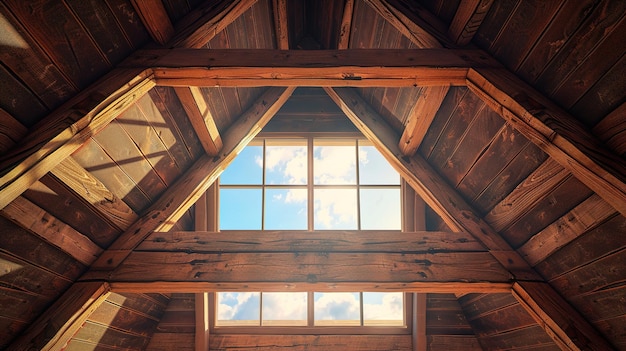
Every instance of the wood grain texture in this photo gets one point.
(201, 118)
(62, 132)
(467, 19)
(311, 342)
(155, 19)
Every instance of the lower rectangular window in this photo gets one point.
(311, 312)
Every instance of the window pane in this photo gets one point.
(286, 209)
(334, 162)
(285, 161)
(246, 168)
(335, 209)
(240, 209)
(284, 308)
(380, 209)
(235, 308)
(337, 309)
(386, 309)
(374, 169)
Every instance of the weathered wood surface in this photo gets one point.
(281, 24)
(418, 287)
(302, 267)
(89, 188)
(55, 327)
(346, 25)
(201, 118)
(63, 131)
(311, 342)
(554, 131)
(53, 231)
(467, 19)
(155, 19)
(203, 23)
(542, 303)
(289, 241)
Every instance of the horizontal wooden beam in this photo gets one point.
(262, 266)
(61, 133)
(303, 241)
(554, 131)
(419, 287)
(256, 67)
(311, 342)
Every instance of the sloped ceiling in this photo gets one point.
(505, 117)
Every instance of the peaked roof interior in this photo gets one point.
(506, 117)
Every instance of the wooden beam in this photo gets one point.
(421, 116)
(281, 24)
(203, 23)
(346, 25)
(177, 199)
(554, 131)
(255, 342)
(419, 322)
(202, 321)
(315, 241)
(58, 324)
(41, 223)
(154, 17)
(61, 133)
(327, 267)
(201, 118)
(404, 25)
(565, 325)
(199, 286)
(451, 207)
(94, 193)
(260, 67)
(467, 19)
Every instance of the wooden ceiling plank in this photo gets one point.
(203, 23)
(421, 116)
(154, 17)
(96, 194)
(201, 118)
(404, 25)
(554, 131)
(346, 25)
(177, 199)
(41, 223)
(203, 286)
(58, 324)
(568, 328)
(459, 215)
(281, 26)
(584, 217)
(612, 129)
(61, 133)
(467, 19)
(11, 131)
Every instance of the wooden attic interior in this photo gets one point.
(505, 118)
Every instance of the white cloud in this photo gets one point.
(284, 306)
(335, 208)
(337, 306)
(334, 165)
(238, 306)
(286, 164)
(391, 308)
